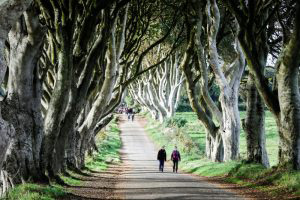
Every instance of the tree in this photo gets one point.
(22, 107)
(161, 88)
(222, 138)
(283, 98)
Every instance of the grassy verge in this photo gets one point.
(191, 142)
(31, 191)
(109, 144)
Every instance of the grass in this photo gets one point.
(197, 132)
(70, 180)
(108, 142)
(30, 191)
(274, 181)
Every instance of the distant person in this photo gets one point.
(162, 157)
(175, 157)
(129, 113)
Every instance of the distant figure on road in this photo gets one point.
(175, 157)
(162, 157)
(129, 113)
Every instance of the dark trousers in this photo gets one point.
(161, 165)
(175, 165)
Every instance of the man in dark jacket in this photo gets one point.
(162, 157)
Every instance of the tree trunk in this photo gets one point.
(231, 126)
(78, 95)
(10, 12)
(23, 104)
(253, 126)
(59, 100)
(7, 133)
(98, 108)
(289, 99)
(229, 85)
(71, 149)
(217, 148)
(284, 103)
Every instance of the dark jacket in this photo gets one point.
(162, 155)
(175, 155)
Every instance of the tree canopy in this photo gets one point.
(66, 65)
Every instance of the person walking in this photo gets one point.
(130, 112)
(175, 157)
(162, 157)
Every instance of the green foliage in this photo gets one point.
(196, 131)
(109, 144)
(129, 101)
(184, 104)
(30, 191)
(169, 137)
(132, 104)
(175, 122)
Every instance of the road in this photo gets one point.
(141, 178)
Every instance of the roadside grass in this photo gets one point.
(70, 180)
(30, 191)
(274, 181)
(109, 144)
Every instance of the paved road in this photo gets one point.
(142, 180)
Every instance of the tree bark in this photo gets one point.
(10, 11)
(60, 97)
(7, 132)
(231, 127)
(289, 99)
(229, 86)
(284, 103)
(23, 104)
(253, 126)
(101, 101)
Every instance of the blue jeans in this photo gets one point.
(161, 165)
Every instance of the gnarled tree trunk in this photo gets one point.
(229, 85)
(10, 12)
(253, 126)
(22, 106)
(289, 100)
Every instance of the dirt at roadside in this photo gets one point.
(96, 185)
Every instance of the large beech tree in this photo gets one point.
(283, 98)
(11, 10)
(222, 137)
